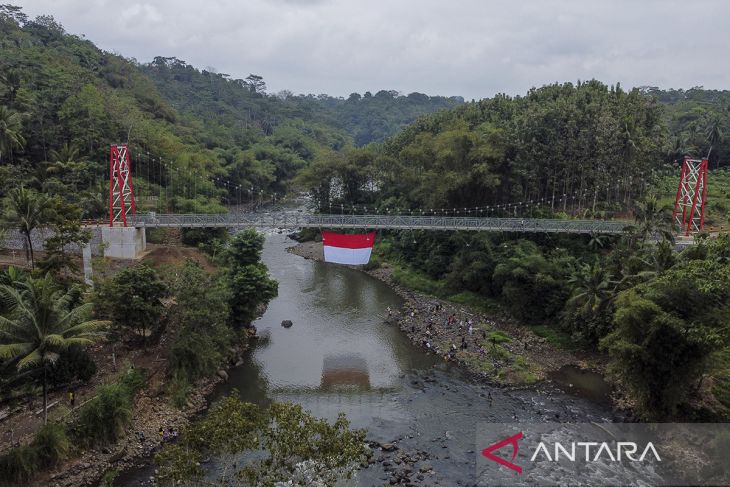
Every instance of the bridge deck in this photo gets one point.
(378, 222)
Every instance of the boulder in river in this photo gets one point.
(388, 446)
(287, 323)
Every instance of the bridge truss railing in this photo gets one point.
(376, 222)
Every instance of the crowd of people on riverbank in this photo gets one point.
(448, 333)
(168, 435)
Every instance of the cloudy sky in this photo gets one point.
(473, 48)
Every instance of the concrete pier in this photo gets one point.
(123, 242)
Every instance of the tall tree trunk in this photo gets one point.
(27, 247)
(45, 396)
(30, 250)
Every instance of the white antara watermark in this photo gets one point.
(591, 451)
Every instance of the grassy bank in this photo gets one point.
(97, 423)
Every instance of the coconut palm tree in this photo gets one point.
(597, 242)
(70, 168)
(713, 133)
(11, 127)
(11, 80)
(656, 259)
(652, 219)
(43, 320)
(677, 149)
(28, 210)
(592, 288)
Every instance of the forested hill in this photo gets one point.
(242, 104)
(373, 118)
(558, 139)
(63, 101)
(596, 144)
(697, 120)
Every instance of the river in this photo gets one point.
(340, 355)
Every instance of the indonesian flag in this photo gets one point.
(353, 249)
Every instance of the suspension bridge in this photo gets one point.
(123, 213)
(126, 225)
(124, 236)
(375, 222)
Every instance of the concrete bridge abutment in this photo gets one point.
(123, 242)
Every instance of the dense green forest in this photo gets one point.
(584, 147)
(242, 109)
(697, 121)
(587, 141)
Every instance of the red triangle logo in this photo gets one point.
(512, 440)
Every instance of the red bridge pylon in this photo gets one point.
(121, 192)
(689, 205)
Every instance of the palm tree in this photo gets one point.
(597, 242)
(657, 260)
(592, 288)
(653, 219)
(678, 148)
(713, 132)
(11, 128)
(68, 166)
(28, 210)
(42, 322)
(11, 80)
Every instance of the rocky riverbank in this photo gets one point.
(495, 348)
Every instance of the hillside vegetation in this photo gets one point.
(210, 138)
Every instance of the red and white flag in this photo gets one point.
(353, 249)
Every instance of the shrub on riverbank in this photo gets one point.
(18, 465)
(52, 444)
(49, 447)
(131, 300)
(247, 277)
(289, 436)
(201, 316)
(102, 420)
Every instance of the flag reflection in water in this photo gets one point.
(345, 372)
